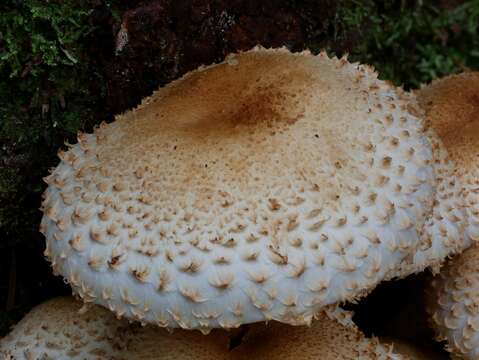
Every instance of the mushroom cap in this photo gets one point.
(445, 230)
(453, 299)
(60, 330)
(452, 107)
(57, 330)
(154, 343)
(325, 339)
(264, 187)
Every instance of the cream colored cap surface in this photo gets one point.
(446, 229)
(56, 330)
(452, 107)
(59, 330)
(453, 301)
(331, 336)
(325, 339)
(261, 188)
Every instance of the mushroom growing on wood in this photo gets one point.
(452, 107)
(56, 330)
(261, 188)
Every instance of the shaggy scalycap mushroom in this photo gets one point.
(57, 330)
(60, 330)
(325, 339)
(453, 305)
(263, 187)
(452, 105)
(445, 231)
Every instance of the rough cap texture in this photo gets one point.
(325, 339)
(452, 106)
(453, 305)
(264, 187)
(445, 230)
(56, 330)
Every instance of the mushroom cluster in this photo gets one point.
(269, 186)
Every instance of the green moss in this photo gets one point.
(413, 42)
(45, 97)
(49, 89)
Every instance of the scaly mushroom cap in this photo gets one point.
(57, 330)
(444, 233)
(445, 230)
(263, 187)
(452, 106)
(453, 305)
(325, 339)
